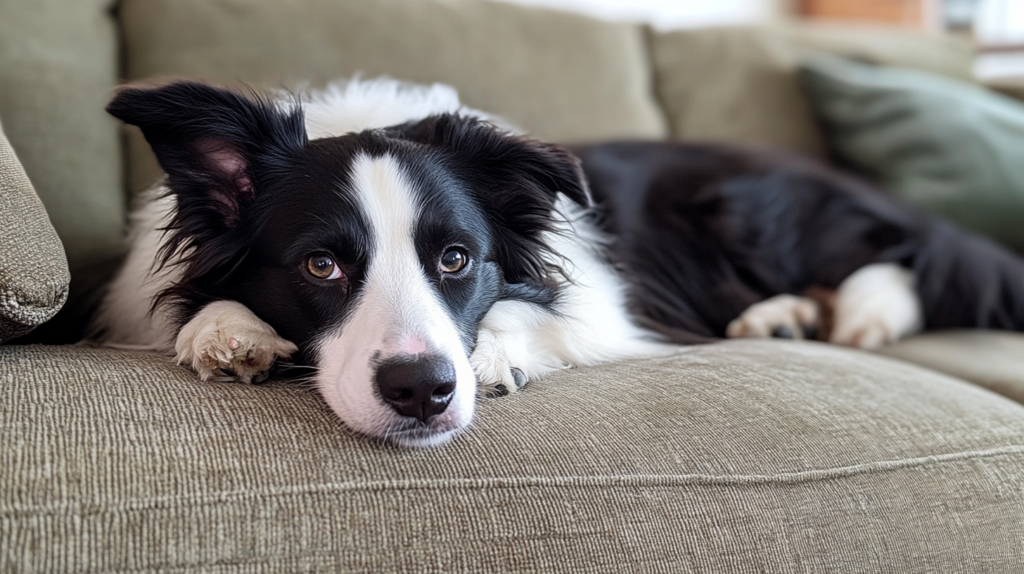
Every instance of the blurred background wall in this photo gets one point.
(1002, 19)
(675, 13)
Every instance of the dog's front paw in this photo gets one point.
(782, 316)
(225, 341)
(876, 306)
(495, 376)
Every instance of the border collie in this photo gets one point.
(410, 250)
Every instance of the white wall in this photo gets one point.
(1000, 22)
(671, 13)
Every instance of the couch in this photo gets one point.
(737, 456)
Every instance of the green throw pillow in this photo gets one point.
(954, 148)
(33, 270)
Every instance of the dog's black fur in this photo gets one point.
(704, 231)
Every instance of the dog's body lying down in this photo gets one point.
(409, 251)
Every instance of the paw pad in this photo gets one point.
(781, 317)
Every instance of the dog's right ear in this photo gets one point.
(215, 145)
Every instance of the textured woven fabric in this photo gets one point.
(563, 77)
(740, 84)
(991, 359)
(33, 271)
(736, 457)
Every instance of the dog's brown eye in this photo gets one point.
(454, 260)
(322, 266)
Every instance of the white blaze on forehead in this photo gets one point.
(395, 275)
(398, 311)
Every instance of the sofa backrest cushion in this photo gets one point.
(561, 76)
(58, 64)
(739, 84)
(33, 270)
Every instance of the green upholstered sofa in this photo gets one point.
(740, 456)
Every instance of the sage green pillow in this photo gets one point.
(951, 147)
(33, 270)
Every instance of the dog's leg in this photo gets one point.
(876, 305)
(782, 316)
(519, 342)
(226, 341)
(494, 372)
(514, 343)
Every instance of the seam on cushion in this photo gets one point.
(30, 313)
(639, 480)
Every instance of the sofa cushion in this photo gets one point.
(945, 55)
(951, 147)
(739, 84)
(58, 64)
(744, 456)
(561, 76)
(33, 270)
(990, 359)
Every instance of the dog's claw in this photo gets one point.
(495, 376)
(504, 389)
(496, 391)
(518, 378)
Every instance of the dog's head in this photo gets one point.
(377, 252)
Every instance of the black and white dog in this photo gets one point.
(410, 250)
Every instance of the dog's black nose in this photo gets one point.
(420, 387)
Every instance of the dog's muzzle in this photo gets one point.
(419, 387)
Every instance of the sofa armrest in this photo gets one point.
(33, 270)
